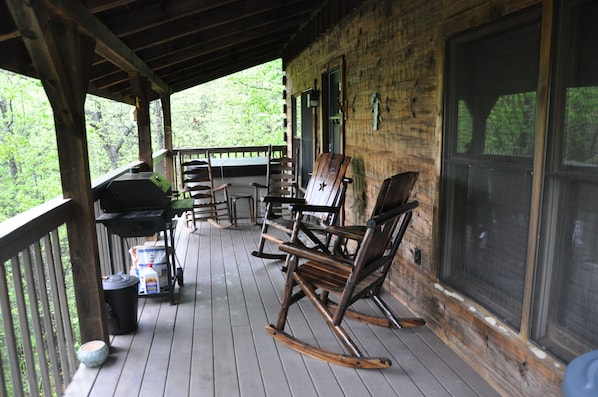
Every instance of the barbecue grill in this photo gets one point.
(139, 204)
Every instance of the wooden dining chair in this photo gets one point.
(322, 202)
(319, 276)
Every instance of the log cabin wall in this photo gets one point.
(395, 49)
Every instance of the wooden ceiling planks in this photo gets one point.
(177, 44)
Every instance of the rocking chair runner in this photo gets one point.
(324, 196)
(318, 274)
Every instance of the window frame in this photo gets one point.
(559, 180)
(329, 103)
(452, 160)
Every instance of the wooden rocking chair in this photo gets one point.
(318, 274)
(281, 181)
(324, 197)
(210, 203)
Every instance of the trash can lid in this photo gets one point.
(581, 376)
(119, 281)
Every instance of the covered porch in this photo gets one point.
(213, 341)
(386, 99)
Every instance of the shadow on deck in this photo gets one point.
(213, 342)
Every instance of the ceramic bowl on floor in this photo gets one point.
(93, 353)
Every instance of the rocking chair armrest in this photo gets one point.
(258, 185)
(283, 200)
(353, 232)
(315, 254)
(224, 186)
(314, 208)
(185, 192)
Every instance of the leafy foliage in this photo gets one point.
(111, 135)
(508, 129)
(29, 170)
(581, 126)
(241, 109)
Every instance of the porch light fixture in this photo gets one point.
(313, 98)
(133, 113)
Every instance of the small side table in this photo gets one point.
(250, 203)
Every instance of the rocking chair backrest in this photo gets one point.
(210, 202)
(395, 191)
(281, 176)
(281, 181)
(384, 233)
(196, 175)
(327, 184)
(382, 238)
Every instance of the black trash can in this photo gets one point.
(120, 294)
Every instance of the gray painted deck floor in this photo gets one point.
(213, 342)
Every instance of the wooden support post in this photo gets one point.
(167, 114)
(140, 86)
(62, 57)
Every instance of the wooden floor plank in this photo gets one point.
(138, 354)
(156, 369)
(202, 364)
(236, 298)
(82, 381)
(275, 378)
(108, 378)
(348, 379)
(213, 342)
(250, 378)
(177, 381)
(225, 370)
(466, 373)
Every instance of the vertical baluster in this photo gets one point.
(66, 343)
(49, 336)
(9, 333)
(32, 293)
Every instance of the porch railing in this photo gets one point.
(181, 155)
(37, 303)
(38, 349)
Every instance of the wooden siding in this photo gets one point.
(396, 49)
(213, 343)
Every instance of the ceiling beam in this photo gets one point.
(107, 44)
(104, 5)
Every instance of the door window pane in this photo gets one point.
(332, 97)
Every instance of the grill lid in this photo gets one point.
(136, 191)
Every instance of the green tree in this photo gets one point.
(245, 108)
(581, 126)
(29, 161)
(111, 135)
(238, 110)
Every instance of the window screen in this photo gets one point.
(566, 309)
(487, 163)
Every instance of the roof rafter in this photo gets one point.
(107, 44)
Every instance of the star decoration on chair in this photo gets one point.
(322, 186)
